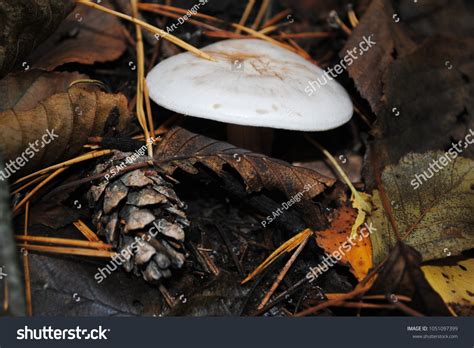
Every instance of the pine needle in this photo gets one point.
(286, 247)
(150, 28)
(78, 159)
(64, 242)
(30, 194)
(260, 14)
(26, 267)
(141, 80)
(246, 14)
(68, 251)
(86, 231)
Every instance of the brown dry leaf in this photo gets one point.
(358, 256)
(86, 36)
(422, 91)
(183, 149)
(402, 275)
(368, 71)
(46, 106)
(24, 25)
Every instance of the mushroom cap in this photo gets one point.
(253, 83)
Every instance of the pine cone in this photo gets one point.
(139, 213)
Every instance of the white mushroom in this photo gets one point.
(253, 83)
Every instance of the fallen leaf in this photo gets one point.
(86, 36)
(359, 254)
(455, 284)
(368, 70)
(437, 219)
(402, 275)
(70, 116)
(66, 287)
(416, 74)
(24, 26)
(183, 149)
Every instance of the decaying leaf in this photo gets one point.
(437, 218)
(42, 104)
(368, 71)
(413, 80)
(183, 149)
(357, 254)
(402, 275)
(86, 36)
(455, 284)
(65, 287)
(24, 25)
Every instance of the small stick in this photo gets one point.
(69, 251)
(150, 28)
(282, 274)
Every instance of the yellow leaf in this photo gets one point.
(455, 285)
(361, 202)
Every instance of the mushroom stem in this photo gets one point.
(256, 139)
